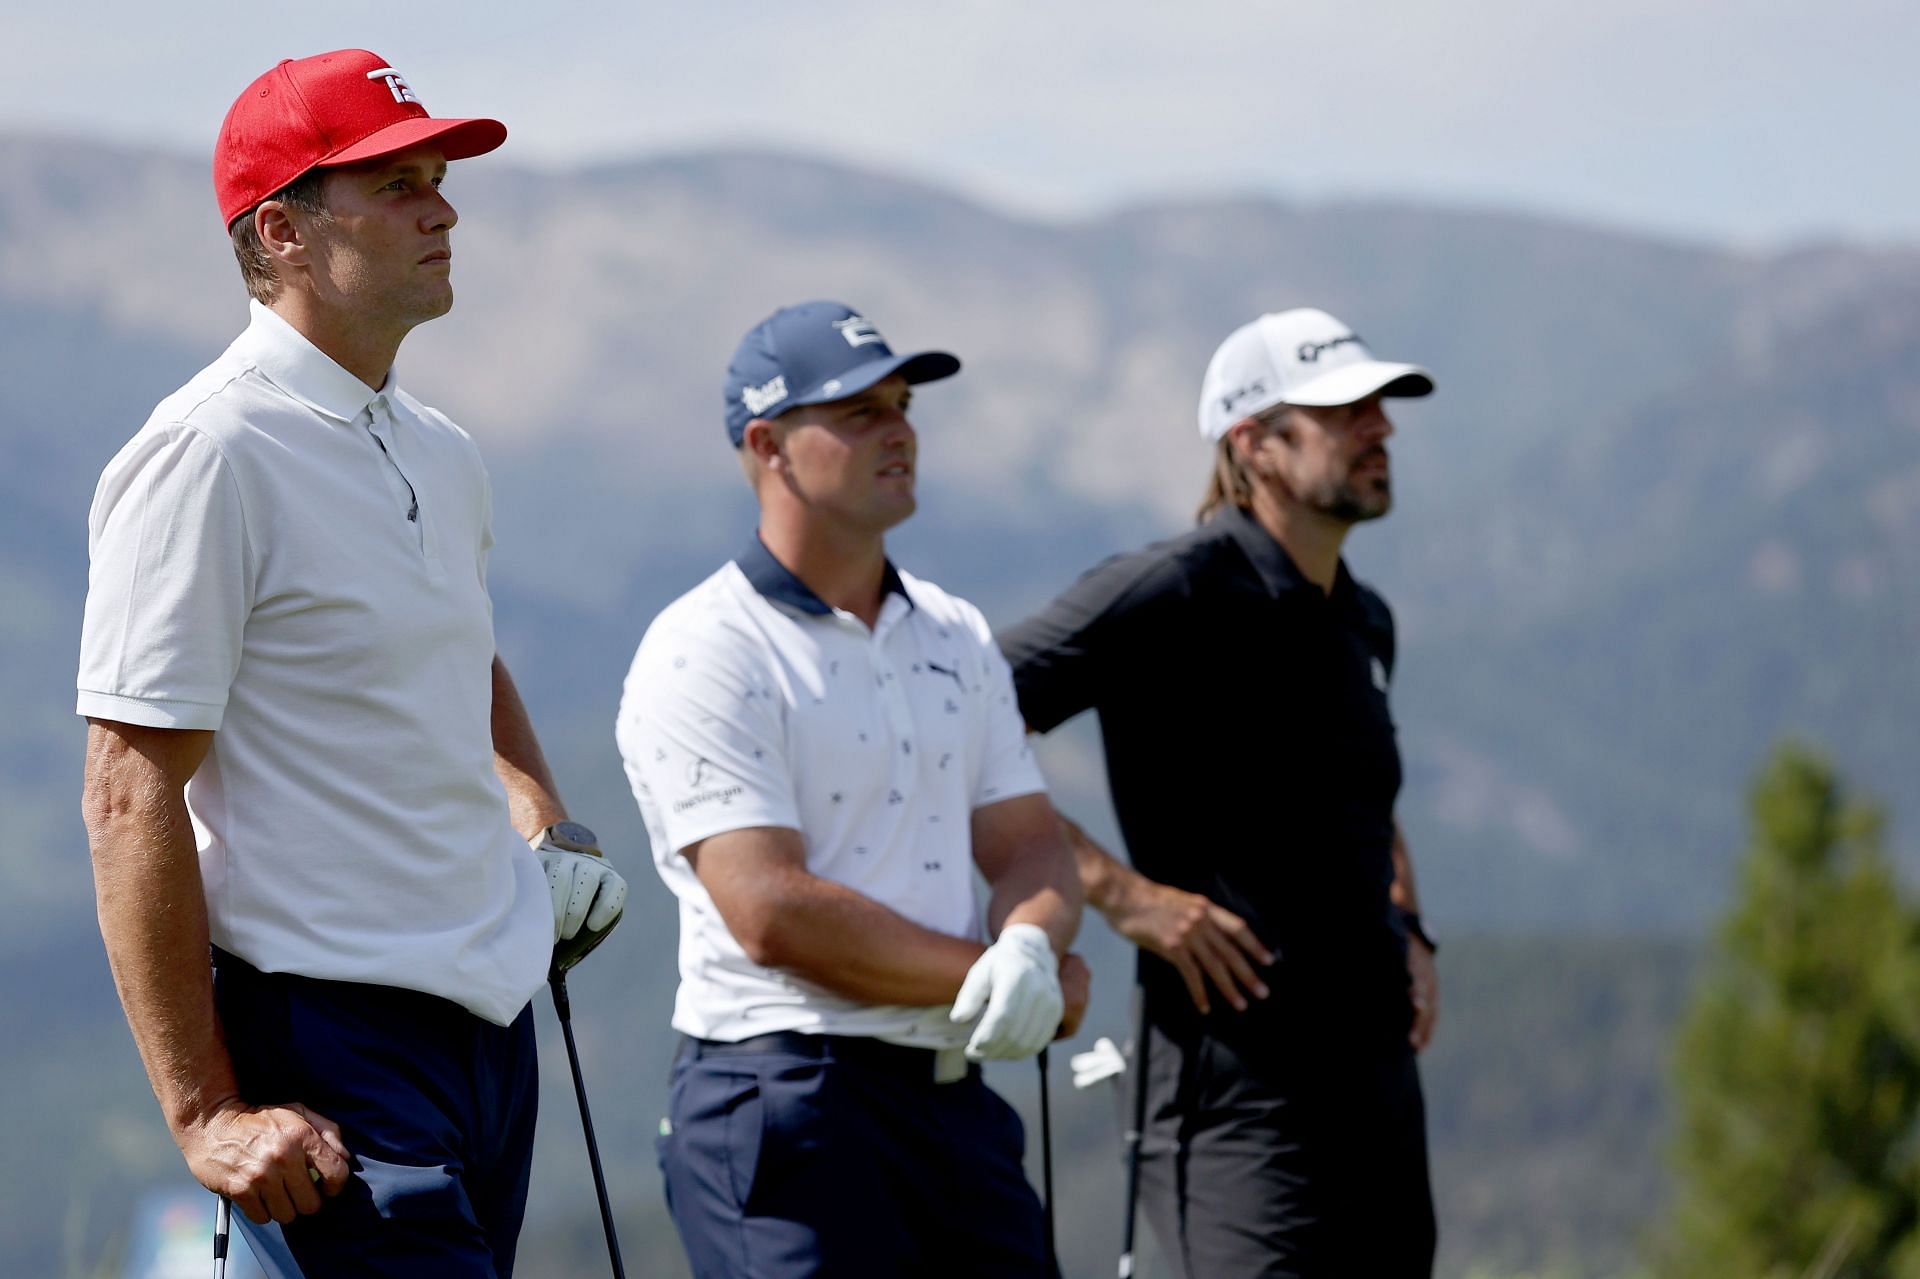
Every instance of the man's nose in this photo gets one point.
(1374, 423)
(440, 216)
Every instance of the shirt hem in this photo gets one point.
(148, 712)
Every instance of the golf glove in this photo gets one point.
(1103, 1061)
(588, 894)
(1014, 989)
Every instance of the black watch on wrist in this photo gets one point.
(1417, 928)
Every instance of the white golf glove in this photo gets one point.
(588, 894)
(1014, 989)
(1102, 1061)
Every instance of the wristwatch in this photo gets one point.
(1417, 928)
(570, 836)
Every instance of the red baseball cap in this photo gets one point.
(333, 108)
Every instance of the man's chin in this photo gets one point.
(432, 303)
(899, 510)
(1358, 508)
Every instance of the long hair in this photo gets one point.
(1229, 485)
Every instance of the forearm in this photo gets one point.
(1107, 882)
(153, 919)
(1042, 887)
(533, 801)
(834, 937)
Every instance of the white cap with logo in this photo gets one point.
(1302, 357)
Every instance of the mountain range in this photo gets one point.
(1663, 508)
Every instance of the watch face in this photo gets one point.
(573, 833)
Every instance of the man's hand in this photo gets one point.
(274, 1162)
(1076, 987)
(1424, 991)
(587, 892)
(1014, 989)
(1205, 941)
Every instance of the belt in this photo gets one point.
(917, 1065)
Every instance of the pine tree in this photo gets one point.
(1798, 1068)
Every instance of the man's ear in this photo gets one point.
(762, 440)
(1245, 437)
(281, 235)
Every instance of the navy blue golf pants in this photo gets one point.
(824, 1161)
(436, 1107)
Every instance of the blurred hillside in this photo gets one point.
(1665, 506)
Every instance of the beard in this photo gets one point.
(1354, 505)
(1367, 498)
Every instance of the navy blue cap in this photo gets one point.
(812, 354)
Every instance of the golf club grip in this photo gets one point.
(563, 1007)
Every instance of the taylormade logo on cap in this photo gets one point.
(1302, 356)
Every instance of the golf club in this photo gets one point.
(1135, 1129)
(563, 1007)
(222, 1230)
(1046, 1158)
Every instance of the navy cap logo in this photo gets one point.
(858, 331)
(759, 399)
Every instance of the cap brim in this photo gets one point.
(1355, 382)
(457, 140)
(923, 366)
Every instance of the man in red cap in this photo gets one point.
(303, 751)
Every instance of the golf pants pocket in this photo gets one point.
(715, 1127)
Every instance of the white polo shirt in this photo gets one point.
(287, 557)
(753, 703)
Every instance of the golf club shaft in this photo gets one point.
(562, 1006)
(1135, 1129)
(1046, 1157)
(222, 1232)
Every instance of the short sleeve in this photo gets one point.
(1006, 766)
(702, 735)
(169, 586)
(1058, 655)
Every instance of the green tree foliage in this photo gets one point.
(1797, 1070)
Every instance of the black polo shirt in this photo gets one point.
(1252, 758)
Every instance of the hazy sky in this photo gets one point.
(1756, 123)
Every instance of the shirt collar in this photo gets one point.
(302, 370)
(1270, 559)
(777, 582)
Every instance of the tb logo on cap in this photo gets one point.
(396, 84)
(858, 330)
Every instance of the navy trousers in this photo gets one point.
(436, 1107)
(820, 1157)
(1314, 1169)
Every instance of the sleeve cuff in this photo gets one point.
(991, 795)
(148, 712)
(684, 834)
